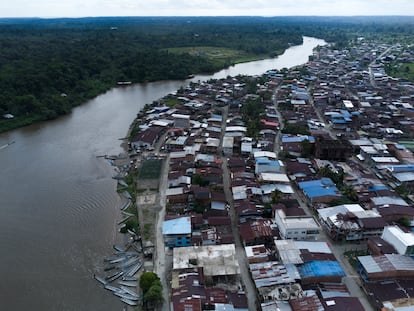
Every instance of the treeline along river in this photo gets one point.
(58, 201)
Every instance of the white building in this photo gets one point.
(296, 227)
(228, 143)
(402, 241)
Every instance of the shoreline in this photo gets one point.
(149, 205)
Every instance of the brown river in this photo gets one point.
(58, 201)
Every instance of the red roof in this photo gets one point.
(269, 123)
(191, 304)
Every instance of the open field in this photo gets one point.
(150, 169)
(218, 54)
(403, 71)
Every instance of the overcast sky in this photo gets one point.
(82, 8)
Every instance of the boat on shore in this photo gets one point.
(113, 289)
(128, 283)
(124, 219)
(129, 291)
(126, 296)
(126, 265)
(100, 279)
(114, 276)
(134, 269)
(123, 83)
(117, 260)
(119, 248)
(129, 278)
(129, 302)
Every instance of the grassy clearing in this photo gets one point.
(171, 102)
(351, 256)
(148, 234)
(150, 169)
(219, 55)
(403, 71)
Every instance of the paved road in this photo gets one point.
(163, 263)
(371, 72)
(249, 286)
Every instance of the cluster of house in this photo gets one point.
(340, 119)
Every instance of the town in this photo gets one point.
(287, 191)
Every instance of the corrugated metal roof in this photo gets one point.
(386, 263)
(272, 273)
(288, 252)
(388, 201)
(318, 188)
(177, 226)
(404, 177)
(314, 247)
(320, 269)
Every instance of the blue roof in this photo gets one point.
(345, 113)
(267, 161)
(320, 268)
(177, 226)
(377, 188)
(296, 139)
(338, 121)
(319, 188)
(402, 168)
(216, 116)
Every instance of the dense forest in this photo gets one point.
(48, 66)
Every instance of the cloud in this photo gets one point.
(76, 8)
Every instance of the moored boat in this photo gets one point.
(128, 283)
(114, 276)
(134, 269)
(113, 289)
(100, 279)
(129, 291)
(129, 278)
(126, 296)
(119, 248)
(129, 302)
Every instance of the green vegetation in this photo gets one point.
(352, 256)
(197, 179)
(285, 155)
(171, 101)
(49, 66)
(150, 169)
(147, 231)
(252, 110)
(403, 71)
(336, 177)
(404, 191)
(276, 196)
(307, 148)
(295, 129)
(349, 193)
(130, 180)
(131, 224)
(404, 221)
(219, 56)
(151, 287)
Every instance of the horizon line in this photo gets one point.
(193, 16)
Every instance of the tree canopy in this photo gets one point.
(48, 66)
(151, 287)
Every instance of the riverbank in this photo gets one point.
(73, 196)
(22, 121)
